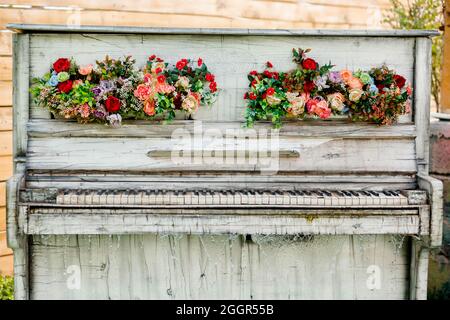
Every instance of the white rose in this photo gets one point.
(355, 94)
(182, 82)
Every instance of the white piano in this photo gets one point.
(331, 209)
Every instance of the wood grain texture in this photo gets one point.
(7, 265)
(5, 69)
(5, 43)
(422, 92)
(130, 154)
(5, 93)
(434, 187)
(6, 168)
(419, 270)
(4, 250)
(218, 267)
(6, 120)
(2, 219)
(2, 194)
(6, 142)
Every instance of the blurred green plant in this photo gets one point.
(6, 288)
(421, 14)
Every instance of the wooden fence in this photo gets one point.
(161, 13)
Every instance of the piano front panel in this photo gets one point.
(340, 149)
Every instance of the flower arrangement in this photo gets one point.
(378, 95)
(115, 89)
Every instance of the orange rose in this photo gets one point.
(346, 75)
(149, 107)
(355, 83)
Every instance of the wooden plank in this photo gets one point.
(2, 194)
(39, 28)
(219, 224)
(445, 76)
(229, 58)
(137, 129)
(21, 56)
(5, 43)
(2, 219)
(5, 143)
(6, 265)
(420, 255)
(5, 69)
(5, 93)
(6, 121)
(434, 187)
(422, 91)
(218, 267)
(6, 167)
(4, 250)
(131, 154)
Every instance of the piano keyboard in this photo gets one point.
(226, 198)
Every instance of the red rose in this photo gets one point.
(270, 91)
(161, 78)
(65, 86)
(380, 87)
(268, 74)
(152, 57)
(112, 104)
(275, 75)
(181, 64)
(399, 81)
(264, 95)
(253, 73)
(62, 64)
(269, 64)
(209, 77)
(158, 70)
(159, 60)
(254, 82)
(308, 86)
(213, 86)
(246, 95)
(309, 64)
(252, 96)
(199, 62)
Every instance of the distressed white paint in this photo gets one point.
(333, 154)
(219, 267)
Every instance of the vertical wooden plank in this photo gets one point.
(419, 270)
(21, 81)
(445, 76)
(422, 91)
(17, 240)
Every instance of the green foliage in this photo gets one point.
(421, 14)
(6, 288)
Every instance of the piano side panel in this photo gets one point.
(219, 267)
(229, 57)
(297, 154)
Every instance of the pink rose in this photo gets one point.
(319, 107)
(355, 83)
(86, 70)
(142, 92)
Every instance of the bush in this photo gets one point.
(421, 14)
(6, 288)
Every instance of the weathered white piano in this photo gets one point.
(345, 211)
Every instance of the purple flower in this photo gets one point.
(114, 119)
(100, 112)
(97, 91)
(335, 77)
(107, 85)
(321, 82)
